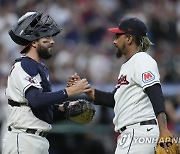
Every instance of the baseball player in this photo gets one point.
(137, 98)
(32, 105)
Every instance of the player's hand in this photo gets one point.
(167, 145)
(81, 86)
(73, 79)
(91, 93)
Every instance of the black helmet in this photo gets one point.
(33, 26)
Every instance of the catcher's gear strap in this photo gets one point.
(104, 98)
(155, 95)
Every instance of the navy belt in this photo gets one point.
(33, 131)
(148, 122)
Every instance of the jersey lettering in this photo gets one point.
(147, 77)
(122, 81)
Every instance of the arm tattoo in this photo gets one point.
(162, 120)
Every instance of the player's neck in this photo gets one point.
(130, 52)
(33, 54)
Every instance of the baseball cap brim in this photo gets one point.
(116, 30)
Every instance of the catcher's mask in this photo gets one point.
(33, 26)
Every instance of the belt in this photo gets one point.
(17, 104)
(33, 131)
(148, 122)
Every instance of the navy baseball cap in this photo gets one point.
(132, 26)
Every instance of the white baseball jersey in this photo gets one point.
(132, 105)
(22, 117)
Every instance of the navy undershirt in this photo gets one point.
(154, 93)
(42, 102)
(37, 99)
(156, 97)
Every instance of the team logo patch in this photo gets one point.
(31, 79)
(147, 77)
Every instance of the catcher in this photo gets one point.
(31, 103)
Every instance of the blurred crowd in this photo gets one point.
(84, 45)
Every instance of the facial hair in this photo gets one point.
(120, 51)
(118, 54)
(43, 52)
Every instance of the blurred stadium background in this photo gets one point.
(84, 46)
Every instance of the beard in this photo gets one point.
(118, 54)
(120, 51)
(43, 52)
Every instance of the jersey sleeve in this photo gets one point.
(19, 81)
(27, 76)
(29, 81)
(146, 71)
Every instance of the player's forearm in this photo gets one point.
(162, 121)
(156, 96)
(104, 98)
(39, 99)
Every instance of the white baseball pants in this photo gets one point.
(138, 140)
(24, 143)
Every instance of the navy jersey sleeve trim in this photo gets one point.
(38, 99)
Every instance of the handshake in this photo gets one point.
(80, 111)
(77, 86)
